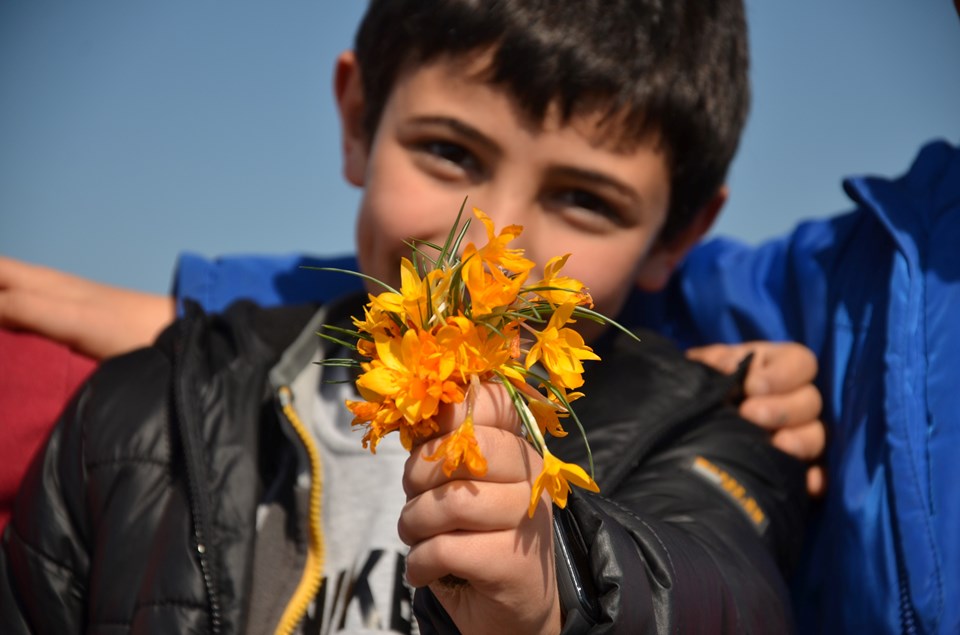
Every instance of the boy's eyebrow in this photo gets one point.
(460, 128)
(601, 179)
(569, 172)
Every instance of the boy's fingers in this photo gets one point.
(779, 367)
(510, 459)
(816, 481)
(462, 554)
(802, 405)
(804, 442)
(485, 558)
(723, 357)
(492, 408)
(18, 275)
(463, 506)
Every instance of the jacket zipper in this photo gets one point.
(908, 620)
(193, 442)
(313, 571)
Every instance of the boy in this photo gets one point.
(182, 491)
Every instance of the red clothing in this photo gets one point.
(37, 378)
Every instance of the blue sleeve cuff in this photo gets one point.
(267, 280)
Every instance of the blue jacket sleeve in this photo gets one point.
(267, 280)
(724, 291)
(728, 291)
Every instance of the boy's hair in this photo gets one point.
(670, 70)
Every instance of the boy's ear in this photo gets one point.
(348, 90)
(664, 257)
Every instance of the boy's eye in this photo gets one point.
(590, 205)
(452, 153)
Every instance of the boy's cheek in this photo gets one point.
(609, 289)
(393, 212)
(380, 237)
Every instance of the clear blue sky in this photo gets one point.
(132, 129)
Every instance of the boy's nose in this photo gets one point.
(503, 211)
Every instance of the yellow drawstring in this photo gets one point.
(313, 572)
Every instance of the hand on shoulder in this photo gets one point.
(780, 397)
(91, 318)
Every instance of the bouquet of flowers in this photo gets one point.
(458, 320)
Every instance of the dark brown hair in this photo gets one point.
(674, 69)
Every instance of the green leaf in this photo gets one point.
(526, 417)
(452, 242)
(590, 314)
(351, 345)
(346, 362)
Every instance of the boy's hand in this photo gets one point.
(780, 397)
(471, 541)
(94, 319)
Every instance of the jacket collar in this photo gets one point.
(909, 206)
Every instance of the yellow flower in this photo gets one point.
(410, 433)
(556, 478)
(477, 349)
(418, 298)
(410, 374)
(423, 297)
(490, 289)
(548, 416)
(376, 321)
(379, 419)
(496, 254)
(561, 349)
(562, 288)
(386, 302)
(461, 447)
(546, 410)
(415, 293)
(494, 274)
(435, 338)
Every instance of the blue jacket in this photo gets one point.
(876, 294)
(873, 290)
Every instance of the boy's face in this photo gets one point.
(445, 135)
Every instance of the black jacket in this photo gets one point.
(139, 516)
